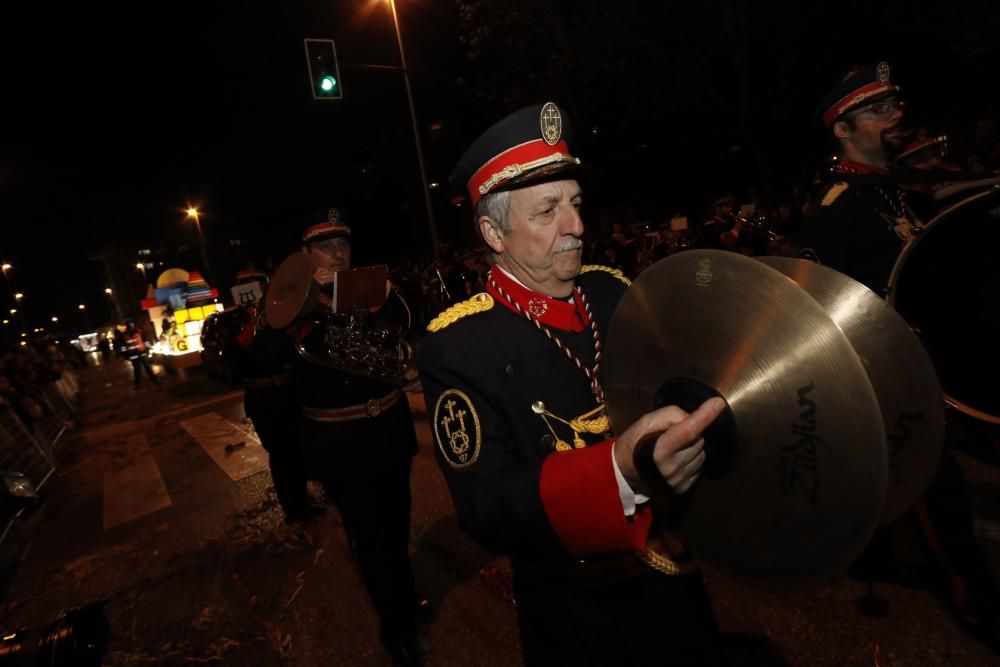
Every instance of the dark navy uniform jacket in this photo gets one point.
(365, 444)
(858, 230)
(482, 372)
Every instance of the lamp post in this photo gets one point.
(193, 212)
(5, 267)
(86, 319)
(416, 133)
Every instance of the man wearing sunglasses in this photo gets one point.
(861, 224)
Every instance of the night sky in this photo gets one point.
(116, 116)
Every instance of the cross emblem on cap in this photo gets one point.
(551, 124)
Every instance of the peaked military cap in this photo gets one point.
(324, 224)
(527, 147)
(857, 88)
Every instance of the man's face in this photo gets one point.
(331, 254)
(877, 131)
(543, 248)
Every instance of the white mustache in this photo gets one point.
(569, 244)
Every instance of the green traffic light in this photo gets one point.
(327, 84)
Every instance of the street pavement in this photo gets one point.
(183, 538)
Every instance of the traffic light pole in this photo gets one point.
(416, 136)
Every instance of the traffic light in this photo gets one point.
(324, 74)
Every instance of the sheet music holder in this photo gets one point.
(363, 288)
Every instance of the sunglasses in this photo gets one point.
(881, 109)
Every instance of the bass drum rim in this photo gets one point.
(897, 272)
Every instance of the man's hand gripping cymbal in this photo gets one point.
(679, 452)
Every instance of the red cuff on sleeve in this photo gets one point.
(580, 495)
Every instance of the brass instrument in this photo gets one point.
(354, 342)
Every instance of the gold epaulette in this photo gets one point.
(479, 303)
(587, 268)
(835, 191)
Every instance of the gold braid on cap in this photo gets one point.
(515, 170)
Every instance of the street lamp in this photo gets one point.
(55, 319)
(18, 296)
(107, 290)
(82, 307)
(5, 267)
(416, 132)
(193, 212)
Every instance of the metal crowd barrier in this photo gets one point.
(29, 452)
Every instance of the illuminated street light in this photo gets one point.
(416, 134)
(107, 290)
(82, 307)
(18, 296)
(6, 321)
(55, 319)
(6, 267)
(13, 311)
(193, 212)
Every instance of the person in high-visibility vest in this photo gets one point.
(134, 349)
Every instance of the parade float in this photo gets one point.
(178, 306)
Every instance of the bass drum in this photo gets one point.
(946, 285)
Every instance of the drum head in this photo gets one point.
(945, 285)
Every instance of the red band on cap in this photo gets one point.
(855, 98)
(510, 163)
(324, 229)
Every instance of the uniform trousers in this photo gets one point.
(275, 416)
(375, 509)
(653, 619)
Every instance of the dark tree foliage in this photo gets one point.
(695, 98)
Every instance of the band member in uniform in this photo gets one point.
(512, 379)
(265, 358)
(859, 228)
(721, 229)
(359, 441)
(862, 221)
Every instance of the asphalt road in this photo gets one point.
(197, 567)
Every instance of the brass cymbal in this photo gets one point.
(290, 292)
(899, 368)
(795, 491)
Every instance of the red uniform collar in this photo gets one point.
(852, 167)
(547, 310)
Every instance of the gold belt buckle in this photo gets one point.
(373, 407)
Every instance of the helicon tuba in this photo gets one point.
(353, 342)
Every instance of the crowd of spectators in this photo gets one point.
(620, 240)
(25, 374)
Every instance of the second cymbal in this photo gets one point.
(901, 373)
(797, 488)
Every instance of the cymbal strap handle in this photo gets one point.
(661, 495)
